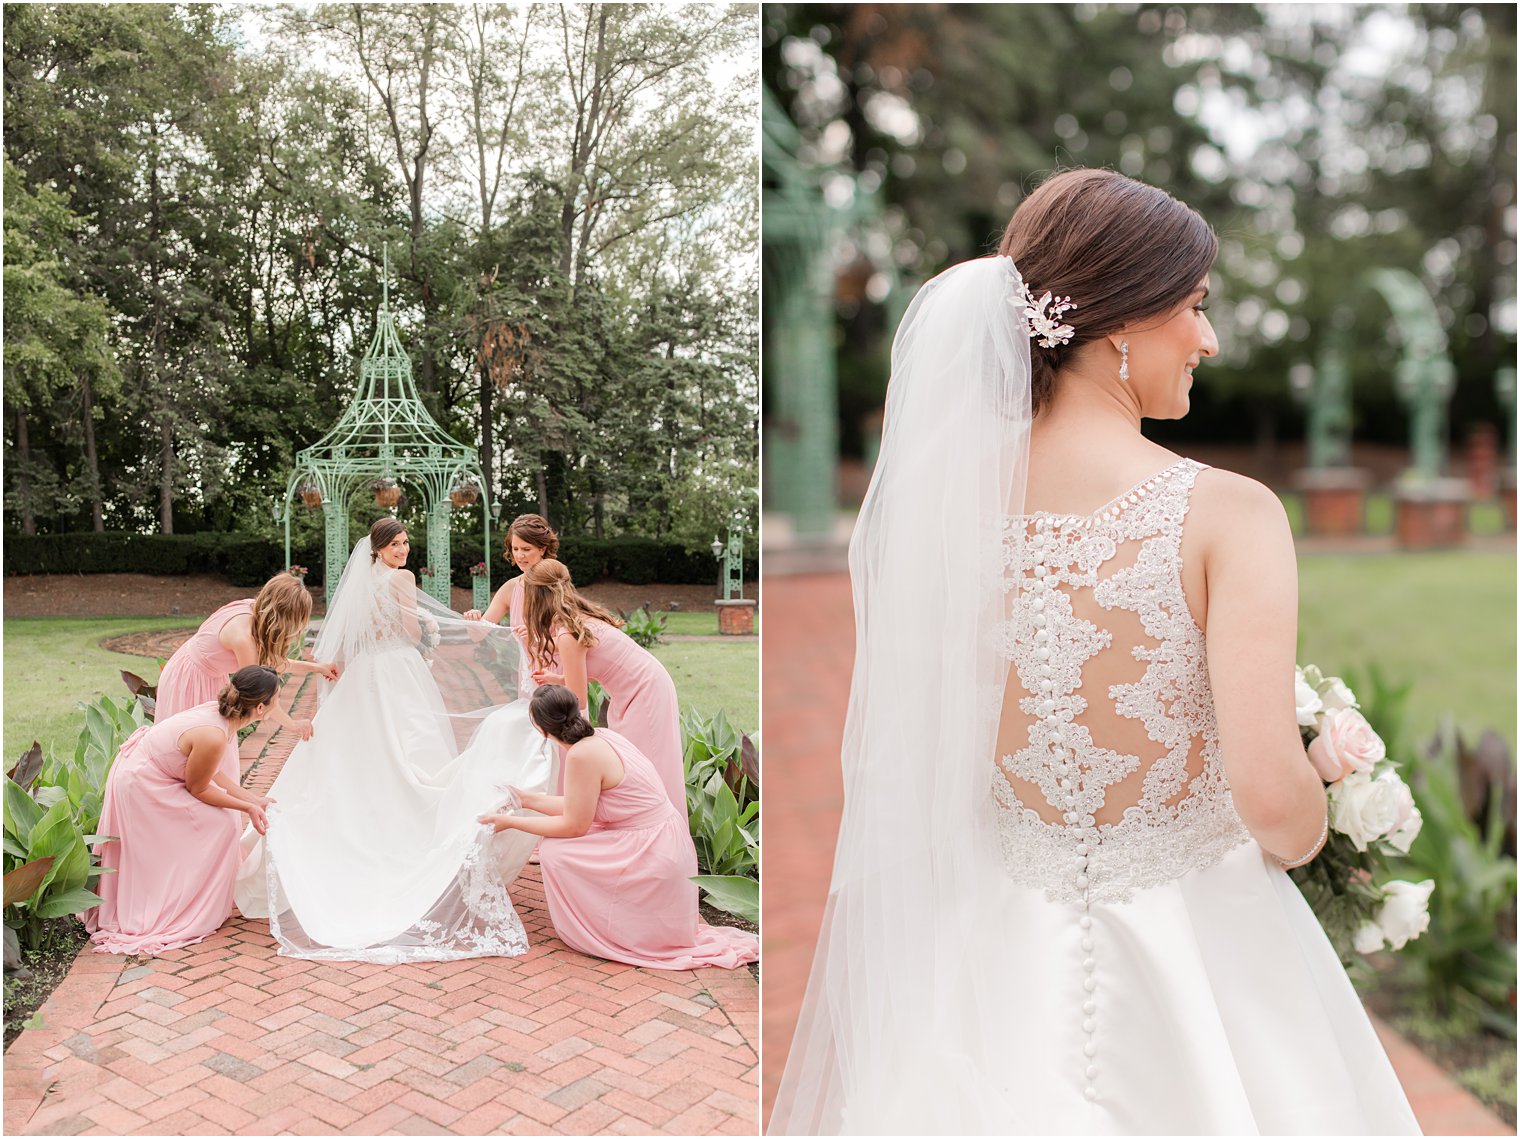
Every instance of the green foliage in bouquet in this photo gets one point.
(723, 808)
(52, 809)
(644, 627)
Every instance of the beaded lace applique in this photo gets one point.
(1181, 817)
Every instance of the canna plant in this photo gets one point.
(723, 808)
(52, 809)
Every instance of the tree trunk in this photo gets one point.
(92, 463)
(543, 492)
(23, 483)
(166, 476)
(487, 435)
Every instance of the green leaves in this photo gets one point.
(49, 832)
(732, 893)
(724, 813)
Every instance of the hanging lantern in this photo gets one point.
(387, 493)
(464, 492)
(311, 493)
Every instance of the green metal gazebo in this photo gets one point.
(384, 441)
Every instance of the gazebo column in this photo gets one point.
(336, 512)
(438, 552)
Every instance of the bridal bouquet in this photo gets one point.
(431, 637)
(1373, 817)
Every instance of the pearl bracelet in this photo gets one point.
(1324, 833)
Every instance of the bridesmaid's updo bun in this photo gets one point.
(555, 711)
(1124, 252)
(534, 530)
(249, 687)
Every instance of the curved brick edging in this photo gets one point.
(226, 1037)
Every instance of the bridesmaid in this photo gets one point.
(530, 539)
(174, 811)
(588, 644)
(617, 858)
(258, 631)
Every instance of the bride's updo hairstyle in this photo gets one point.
(382, 534)
(249, 687)
(1124, 252)
(555, 711)
(550, 602)
(536, 531)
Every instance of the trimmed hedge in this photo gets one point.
(247, 560)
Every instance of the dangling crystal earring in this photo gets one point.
(1124, 360)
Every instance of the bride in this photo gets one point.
(373, 851)
(1073, 777)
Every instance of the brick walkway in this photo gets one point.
(809, 650)
(224, 1037)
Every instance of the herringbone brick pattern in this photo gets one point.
(225, 1037)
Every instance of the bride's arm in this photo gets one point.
(1252, 632)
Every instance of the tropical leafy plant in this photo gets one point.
(596, 704)
(52, 809)
(645, 627)
(723, 808)
(1467, 957)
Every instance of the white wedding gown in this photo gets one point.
(373, 851)
(1137, 965)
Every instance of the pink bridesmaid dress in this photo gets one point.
(176, 858)
(623, 891)
(641, 704)
(199, 668)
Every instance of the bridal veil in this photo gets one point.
(889, 1024)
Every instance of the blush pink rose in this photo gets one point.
(1346, 743)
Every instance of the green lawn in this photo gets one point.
(1445, 621)
(53, 663)
(711, 675)
(695, 624)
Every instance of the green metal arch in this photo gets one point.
(387, 432)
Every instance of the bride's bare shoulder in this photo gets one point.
(1231, 506)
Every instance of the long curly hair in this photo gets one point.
(281, 613)
(550, 602)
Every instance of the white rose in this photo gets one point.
(1307, 700)
(1368, 939)
(1335, 695)
(1363, 808)
(1346, 743)
(1405, 913)
(1407, 828)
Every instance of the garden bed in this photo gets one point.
(49, 965)
(197, 595)
(1481, 1061)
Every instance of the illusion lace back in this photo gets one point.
(1108, 775)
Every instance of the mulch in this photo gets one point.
(197, 595)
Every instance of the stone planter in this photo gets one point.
(736, 618)
(1335, 499)
(1431, 515)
